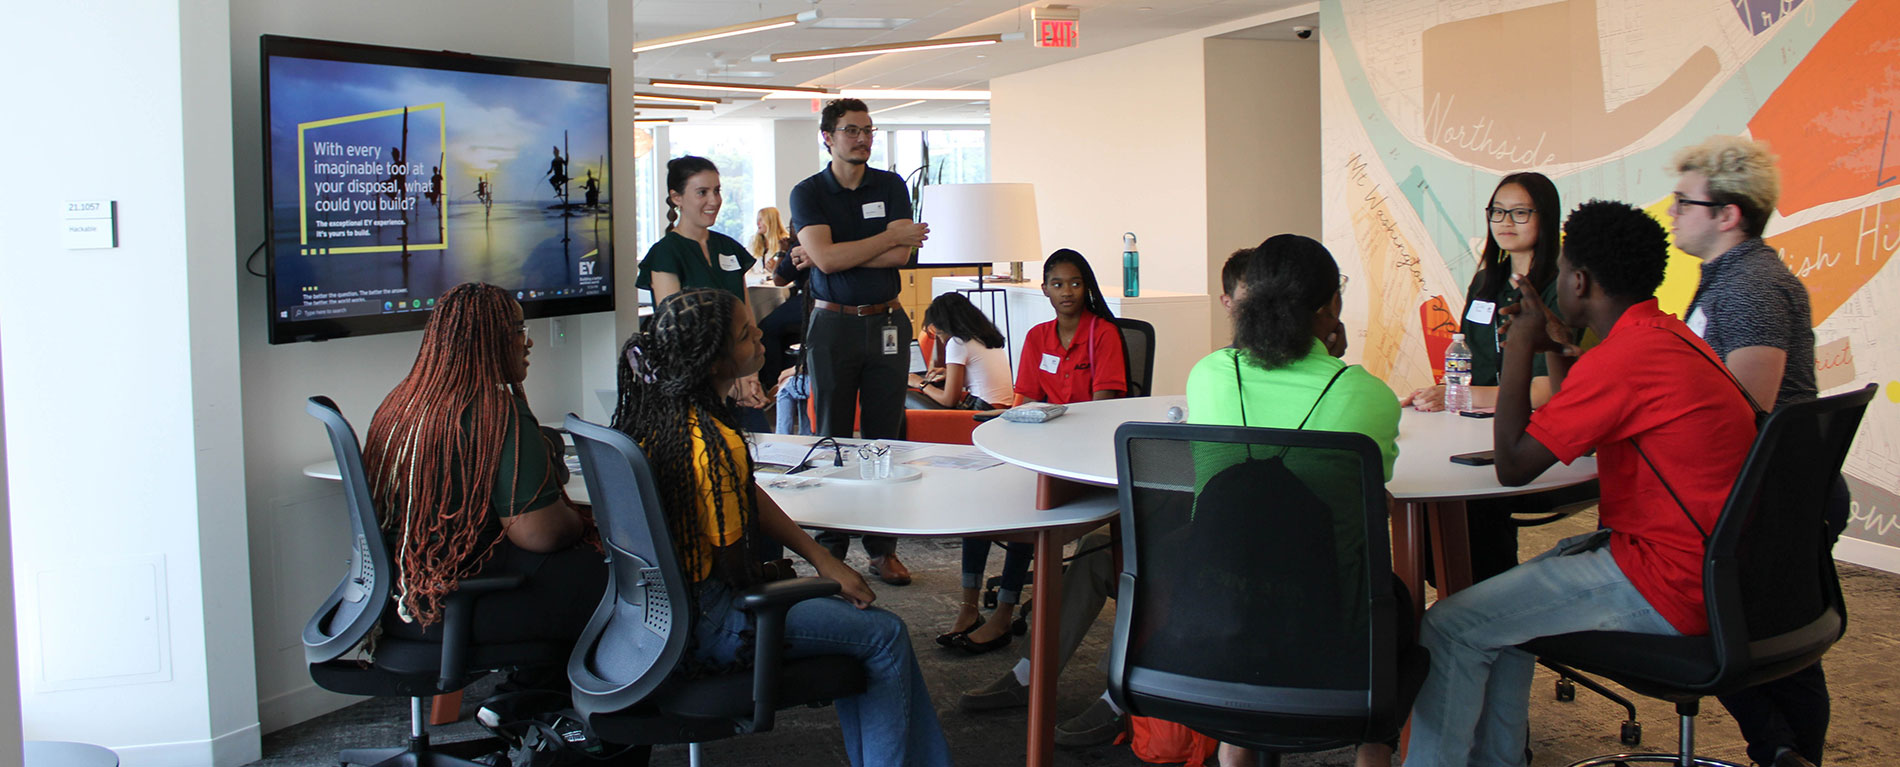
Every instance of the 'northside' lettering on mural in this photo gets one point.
(1477, 136)
(1402, 256)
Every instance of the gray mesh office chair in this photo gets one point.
(622, 669)
(413, 668)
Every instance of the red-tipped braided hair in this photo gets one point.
(436, 442)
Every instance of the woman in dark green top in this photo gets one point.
(1524, 216)
(692, 255)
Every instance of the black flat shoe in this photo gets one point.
(950, 638)
(973, 647)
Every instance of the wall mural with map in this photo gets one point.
(1426, 104)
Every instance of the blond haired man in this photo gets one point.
(1754, 313)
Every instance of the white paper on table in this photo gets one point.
(969, 460)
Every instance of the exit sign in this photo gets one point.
(1055, 33)
(1056, 26)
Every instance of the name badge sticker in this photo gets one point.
(729, 262)
(890, 339)
(1481, 312)
(1698, 322)
(1050, 362)
(874, 210)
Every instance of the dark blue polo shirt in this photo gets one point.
(852, 215)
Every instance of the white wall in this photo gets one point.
(121, 365)
(1114, 142)
(795, 153)
(1263, 145)
(297, 532)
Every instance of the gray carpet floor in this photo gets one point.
(1861, 671)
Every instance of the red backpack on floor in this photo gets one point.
(1160, 742)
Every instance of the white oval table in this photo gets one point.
(1427, 490)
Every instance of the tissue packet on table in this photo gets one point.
(1035, 412)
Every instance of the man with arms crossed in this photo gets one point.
(1662, 416)
(1754, 313)
(854, 222)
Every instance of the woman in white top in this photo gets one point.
(975, 364)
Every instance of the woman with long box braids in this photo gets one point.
(674, 376)
(466, 484)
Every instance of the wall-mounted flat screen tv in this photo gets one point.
(396, 174)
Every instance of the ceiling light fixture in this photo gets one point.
(677, 99)
(898, 93)
(776, 22)
(899, 106)
(643, 105)
(655, 120)
(703, 85)
(882, 48)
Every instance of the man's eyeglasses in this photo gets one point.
(1518, 215)
(1681, 201)
(1343, 279)
(855, 132)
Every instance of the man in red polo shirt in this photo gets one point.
(1666, 423)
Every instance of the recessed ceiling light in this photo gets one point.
(791, 91)
(859, 23)
(896, 93)
(899, 106)
(776, 22)
(883, 48)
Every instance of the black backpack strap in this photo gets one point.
(1240, 395)
(1760, 414)
(1672, 492)
(1322, 395)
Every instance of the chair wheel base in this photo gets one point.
(1632, 734)
(1620, 760)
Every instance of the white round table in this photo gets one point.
(1428, 491)
(1080, 446)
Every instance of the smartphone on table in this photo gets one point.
(1480, 458)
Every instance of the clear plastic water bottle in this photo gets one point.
(1131, 266)
(1458, 375)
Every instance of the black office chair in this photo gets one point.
(1768, 580)
(413, 668)
(622, 668)
(1257, 603)
(1138, 348)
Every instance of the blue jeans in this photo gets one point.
(892, 722)
(1016, 556)
(1475, 705)
(791, 406)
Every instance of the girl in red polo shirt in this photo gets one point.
(1076, 357)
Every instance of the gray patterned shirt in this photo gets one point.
(1747, 297)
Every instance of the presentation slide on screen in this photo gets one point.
(391, 184)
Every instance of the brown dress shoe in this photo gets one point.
(889, 570)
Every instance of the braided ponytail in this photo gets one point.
(436, 441)
(666, 399)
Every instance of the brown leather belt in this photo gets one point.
(858, 311)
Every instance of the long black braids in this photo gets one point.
(666, 394)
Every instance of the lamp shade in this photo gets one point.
(980, 224)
